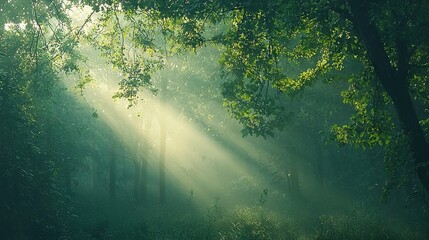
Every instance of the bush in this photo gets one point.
(358, 226)
(256, 223)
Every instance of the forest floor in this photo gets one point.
(101, 218)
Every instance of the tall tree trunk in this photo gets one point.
(137, 177)
(112, 173)
(141, 165)
(143, 176)
(144, 160)
(162, 160)
(395, 83)
(140, 177)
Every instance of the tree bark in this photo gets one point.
(395, 83)
(112, 174)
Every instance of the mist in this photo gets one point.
(127, 121)
(212, 174)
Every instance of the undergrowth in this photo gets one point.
(255, 222)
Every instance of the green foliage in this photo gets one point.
(260, 119)
(277, 47)
(83, 82)
(272, 50)
(215, 215)
(100, 231)
(257, 223)
(35, 46)
(33, 201)
(397, 164)
(101, 219)
(358, 225)
(251, 64)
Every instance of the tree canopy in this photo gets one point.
(271, 50)
(277, 49)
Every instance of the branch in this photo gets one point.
(122, 36)
(84, 24)
(40, 29)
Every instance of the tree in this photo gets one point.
(33, 198)
(141, 164)
(35, 45)
(396, 71)
(112, 171)
(283, 47)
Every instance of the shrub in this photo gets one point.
(358, 226)
(256, 223)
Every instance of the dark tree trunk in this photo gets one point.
(395, 83)
(140, 177)
(112, 174)
(137, 181)
(141, 166)
(143, 177)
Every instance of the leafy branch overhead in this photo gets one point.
(273, 50)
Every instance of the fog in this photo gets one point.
(210, 169)
(139, 125)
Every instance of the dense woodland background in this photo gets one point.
(175, 119)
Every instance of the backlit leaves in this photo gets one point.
(272, 49)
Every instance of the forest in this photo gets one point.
(214, 119)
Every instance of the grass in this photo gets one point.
(99, 219)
